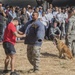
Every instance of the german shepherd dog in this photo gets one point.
(63, 49)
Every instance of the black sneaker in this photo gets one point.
(5, 71)
(13, 73)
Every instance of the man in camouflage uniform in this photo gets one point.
(71, 32)
(35, 33)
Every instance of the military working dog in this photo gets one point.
(63, 49)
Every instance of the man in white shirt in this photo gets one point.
(61, 21)
(45, 23)
(29, 12)
(55, 12)
(49, 16)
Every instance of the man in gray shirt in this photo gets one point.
(54, 31)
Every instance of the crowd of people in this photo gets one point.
(53, 14)
(33, 24)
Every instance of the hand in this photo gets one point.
(24, 35)
(68, 36)
(59, 35)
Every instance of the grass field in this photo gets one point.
(50, 64)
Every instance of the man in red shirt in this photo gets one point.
(10, 35)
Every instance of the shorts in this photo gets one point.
(9, 48)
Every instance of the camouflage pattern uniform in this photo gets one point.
(71, 34)
(35, 33)
(33, 54)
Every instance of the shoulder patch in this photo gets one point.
(34, 25)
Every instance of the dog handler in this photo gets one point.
(35, 33)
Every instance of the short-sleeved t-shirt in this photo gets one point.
(8, 34)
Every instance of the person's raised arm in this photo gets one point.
(19, 35)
